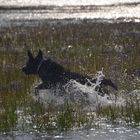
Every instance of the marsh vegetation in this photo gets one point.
(85, 48)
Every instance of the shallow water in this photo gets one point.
(33, 13)
(107, 132)
(63, 2)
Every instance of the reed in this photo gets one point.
(84, 48)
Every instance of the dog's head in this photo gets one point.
(32, 64)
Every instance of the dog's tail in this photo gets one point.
(108, 82)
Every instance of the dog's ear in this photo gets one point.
(30, 55)
(40, 54)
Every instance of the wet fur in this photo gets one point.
(53, 74)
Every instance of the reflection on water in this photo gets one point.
(63, 2)
(117, 133)
(32, 14)
(89, 12)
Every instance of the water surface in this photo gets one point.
(30, 12)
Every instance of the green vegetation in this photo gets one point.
(85, 48)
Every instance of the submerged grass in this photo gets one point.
(85, 48)
(127, 115)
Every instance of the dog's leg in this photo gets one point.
(41, 86)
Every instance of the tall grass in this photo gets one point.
(83, 48)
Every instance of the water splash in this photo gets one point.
(75, 92)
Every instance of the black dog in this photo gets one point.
(53, 74)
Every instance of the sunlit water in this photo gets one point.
(109, 11)
(64, 2)
(107, 133)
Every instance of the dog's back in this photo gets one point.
(51, 71)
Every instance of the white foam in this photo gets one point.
(75, 92)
